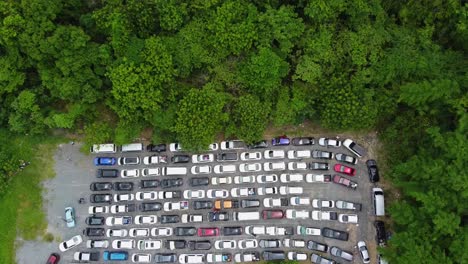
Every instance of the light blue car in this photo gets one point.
(70, 216)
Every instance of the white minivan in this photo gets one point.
(379, 204)
(132, 147)
(103, 148)
(246, 216)
(174, 171)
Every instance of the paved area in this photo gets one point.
(75, 172)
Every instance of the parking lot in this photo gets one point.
(363, 230)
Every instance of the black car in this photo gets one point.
(199, 245)
(381, 236)
(94, 231)
(170, 183)
(175, 244)
(123, 186)
(203, 181)
(218, 216)
(149, 184)
(259, 144)
(274, 255)
(168, 219)
(94, 220)
(165, 258)
(373, 170)
(198, 205)
(336, 234)
(319, 154)
(150, 207)
(170, 194)
(180, 159)
(312, 245)
(303, 141)
(318, 166)
(232, 230)
(101, 198)
(269, 243)
(250, 203)
(107, 173)
(156, 148)
(100, 186)
(227, 156)
(185, 231)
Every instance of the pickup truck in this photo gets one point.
(172, 206)
(279, 231)
(226, 204)
(86, 256)
(154, 159)
(324, 215)
(320, 178)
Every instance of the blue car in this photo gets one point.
(70, 216)
(280, 141)
(104, 161)
(115, 255)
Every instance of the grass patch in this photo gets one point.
(21, 205)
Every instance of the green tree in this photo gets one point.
(26, 116)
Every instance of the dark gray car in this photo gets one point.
(338, 252)
(274, 255)
(165, 258)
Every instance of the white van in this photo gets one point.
(246, 216)
(379, 204)
(132, 147)
(103, 148)
(174, 171)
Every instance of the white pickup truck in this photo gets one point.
(173, 206)
(320, 178)
(148, 160)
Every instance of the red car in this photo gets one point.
(209, 231)
(272, 214)
(343, 181)
(54, 258)
(345, 169)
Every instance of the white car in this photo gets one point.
(97, 244)
(244, 179)
(173, 206)
(294, 243)
(221, 180)
(308, 231)
(146, 219)
(225, 244)
(247, 257)
(354, 148)
(345, 158)
(98, 209)
(200, 169)
(124, 197)
(255, 230)
(324, 215)
(175, 147)
(161, 231)
(274, 166)
(150, 172)
(297, 256)
(217, 193)
(248, 243)
(167, 195)
(219, 169)
(149, 160)
(192, 194)
(191, 218)
(116, 232)
(299, 154)
(267, 190)
(123, 244)
(139, 232)
(118, 220)
(250, 167)
(141, 258)
(191, 258)
(285, 178)
(348, 218)
(318, 178)
(363, 251)
(232, 144)
(319, 203)
(299, 201)
(297, 214)
(121, 208)
(71, 243)
(275, 202)
(278, 231)
(202, 158)
(133, 173)
(151, 196)
(242, 192)
(215, 258)
(213, 147)
(270, 178)
(248, 156)
(329, 142)
(285, 190)
(293, 166)
(273, 154)
(149, 244)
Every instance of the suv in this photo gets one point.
(156, 148)
(123, 186)
(92, 231)
(373, 170)
(95, 220)
(227, 156)
(381, 236)
(129, 161)
(274, 255)
(199, 245)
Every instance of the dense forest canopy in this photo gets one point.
(190, 70)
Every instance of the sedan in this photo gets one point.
(318, 203)
(345, 158)
(275, 202)
(144, 184)
(150, 207)
(152, 195)
(206, 169)
(225, 244)
(149, 172)
(297, 256)
(338, 252)
(344, 169)
(169, 195)
(250, 203)
(146, 219)
(243, 192)
(122, 208)
(232, 144)
(156, 148)
(161, 231)
(123, 244)
(202, 158)
(270, 243)
(297, 214)
(303, 141)
(293, 166)
(244, 179)
(118, 220)
(101, 198)
(191, 194)
(180, 159)
(199, 245)
(134, 173)
(248, 243)
(318, 166)
(221, 180)
(94, 220)
(123, 186)
(94, 232)
(124, 197)
(280, 141)
(319, 154)
(274, 166)
(165, 258)
(272, 214)
(343, 181)
(217, 193)
(299, 154)
(139, 232)
(198, 205)
(220, 169)
(54, 258)
(208, 231)
(104, 161)
(116, 232)
(174, 147)
(232, 231)
(285, 190)
(71, 243)
(247, 257)
(363, 251)
(168, 219)
(271, 178)
(250, 167)
(129, 161)
(267, 190)
(313, 245)
(248, 156)
(294, 243)
(314, 258)
(141, 258)
(348, 218)
(300, 201)
(273, 154)
(150, 160)
(171, 183)
(373, 170)
(203, 181)
(98, 210)
(335, 234)
(185, 231)
(216, 258)
(308, 231)
(286, 178)
(328, 142)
